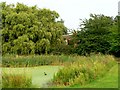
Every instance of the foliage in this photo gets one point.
(36, 60)
(83, 71)
(115, 40)
(30, 30)
(19, 80)
(98, 34)
(110, 80)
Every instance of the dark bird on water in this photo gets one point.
(45, 73)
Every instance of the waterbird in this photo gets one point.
(45, 73)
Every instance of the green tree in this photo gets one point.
(96, 35)
(115, 40)
(30, 30)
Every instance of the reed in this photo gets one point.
(11, 79)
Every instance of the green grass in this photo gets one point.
(38, 77)
(36, 60)
(110, 80)
(40, 80)
(0, 78)
(16, 78)
(84, 71)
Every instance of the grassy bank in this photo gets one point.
(110, 80)
(60, 70)
(84, 71)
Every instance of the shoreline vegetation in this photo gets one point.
(74, 70)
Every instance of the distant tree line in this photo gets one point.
(31, 30)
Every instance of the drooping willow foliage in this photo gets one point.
(30, 30)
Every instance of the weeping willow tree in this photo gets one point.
(30, 30)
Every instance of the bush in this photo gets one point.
(84, 70)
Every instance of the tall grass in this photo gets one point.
(35, 60)
(84, 70)
(0, 78)
(16, 79)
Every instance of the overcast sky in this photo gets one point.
(73, 10)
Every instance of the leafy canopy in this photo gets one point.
(30, 30)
